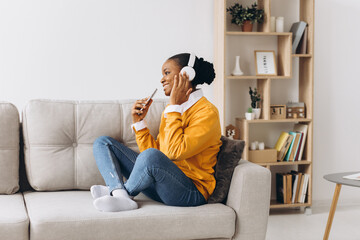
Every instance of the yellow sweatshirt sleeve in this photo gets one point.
(145, 140)
(193, 139)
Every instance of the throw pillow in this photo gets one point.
(227, 159)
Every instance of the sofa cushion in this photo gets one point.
(9, 148)
(58, 139)
(14, 222)
(54, 215)
(227, 159)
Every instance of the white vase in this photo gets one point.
(237, 71)
(257, 112)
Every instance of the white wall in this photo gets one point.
(337, 98)
(96, 49)
(86, 49)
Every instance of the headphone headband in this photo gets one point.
(191, 60)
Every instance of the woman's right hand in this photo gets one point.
(137, 113)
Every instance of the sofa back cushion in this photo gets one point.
(9, 148)
(58, 139)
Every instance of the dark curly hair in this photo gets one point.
(205, 72)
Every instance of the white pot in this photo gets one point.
(249, 116)
(257, 112)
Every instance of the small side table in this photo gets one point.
(339, 180)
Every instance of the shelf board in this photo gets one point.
(258, 77)
(290, 120)
(302, 162)
(276, 204)
(301, 55)
(238, 33)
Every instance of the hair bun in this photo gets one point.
(205, 72)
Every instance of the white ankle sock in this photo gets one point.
(99, 191)
(120, 201)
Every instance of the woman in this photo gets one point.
(176, 168)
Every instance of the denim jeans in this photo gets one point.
(150, 172)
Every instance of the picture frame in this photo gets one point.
(265, 63)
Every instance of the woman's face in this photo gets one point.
(169, 69)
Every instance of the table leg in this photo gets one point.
(332, 210)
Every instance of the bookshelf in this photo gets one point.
(231, 92)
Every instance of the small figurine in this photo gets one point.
(232, 132)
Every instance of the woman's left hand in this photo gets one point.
(181, 89)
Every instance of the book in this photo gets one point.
(285, 148)
(287, 156)
(297, 187)
(300, 143)
(355, 176)
(301, 128)
(280, 142)
(302, 48)
(300, 189)
(295, 177)
(297, 30)
(280, 182)
(305, 188)
(288, 188)
(295, 146)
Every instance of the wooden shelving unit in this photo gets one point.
(226, 36)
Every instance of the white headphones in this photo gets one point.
(189, 69)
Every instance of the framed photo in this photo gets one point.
(265, 63)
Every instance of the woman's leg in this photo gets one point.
(155, 170)
(115, 159)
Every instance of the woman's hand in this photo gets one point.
(181, 89)
(137, 113)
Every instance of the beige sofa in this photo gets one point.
(60, 167)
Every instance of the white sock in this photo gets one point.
(120, 201)
(99, 191)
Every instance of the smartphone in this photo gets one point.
(147, 101)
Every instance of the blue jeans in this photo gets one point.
(150, 172)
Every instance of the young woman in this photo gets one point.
(176, 168)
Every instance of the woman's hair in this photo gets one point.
(205, 72)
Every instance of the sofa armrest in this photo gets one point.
(249, 196)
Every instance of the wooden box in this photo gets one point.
(295, 110)
(277, 111)
(268, 155)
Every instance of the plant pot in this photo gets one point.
(249, 116)
(247, 26)
(257, 112)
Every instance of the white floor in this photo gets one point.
(294, 224)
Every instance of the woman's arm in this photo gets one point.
(199, 135)
(144, 139)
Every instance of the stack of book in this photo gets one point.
(290, 145)
(291, 187)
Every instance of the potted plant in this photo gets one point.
(255, 100)
(249, 115)
(246, 17)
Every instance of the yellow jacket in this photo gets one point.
(191, 140)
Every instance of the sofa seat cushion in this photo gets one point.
(14, 222)
(71, 215)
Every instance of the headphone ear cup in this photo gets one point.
(190, 71)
